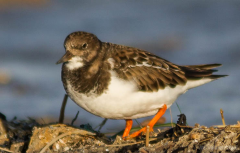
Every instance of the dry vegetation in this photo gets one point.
(29, 136)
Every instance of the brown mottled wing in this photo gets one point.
(148, 71)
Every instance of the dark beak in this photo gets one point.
(66, 57)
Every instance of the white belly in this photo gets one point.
(122, 100)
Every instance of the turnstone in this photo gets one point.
(119, 82)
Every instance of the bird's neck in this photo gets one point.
(85, 79)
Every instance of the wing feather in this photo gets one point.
(152, 73)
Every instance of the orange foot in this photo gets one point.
(128, 128)
(143, 130)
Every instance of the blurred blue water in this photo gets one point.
(31, 40)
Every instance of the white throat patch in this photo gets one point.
(74, 63)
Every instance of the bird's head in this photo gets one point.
(81, 48)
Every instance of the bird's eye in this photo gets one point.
(84, 46)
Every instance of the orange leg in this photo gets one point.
(128, 128)
(151, 123)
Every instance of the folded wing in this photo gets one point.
(152, 73)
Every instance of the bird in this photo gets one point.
(120, 82)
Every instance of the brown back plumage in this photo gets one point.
(151, 72)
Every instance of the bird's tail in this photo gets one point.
(200, 71)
